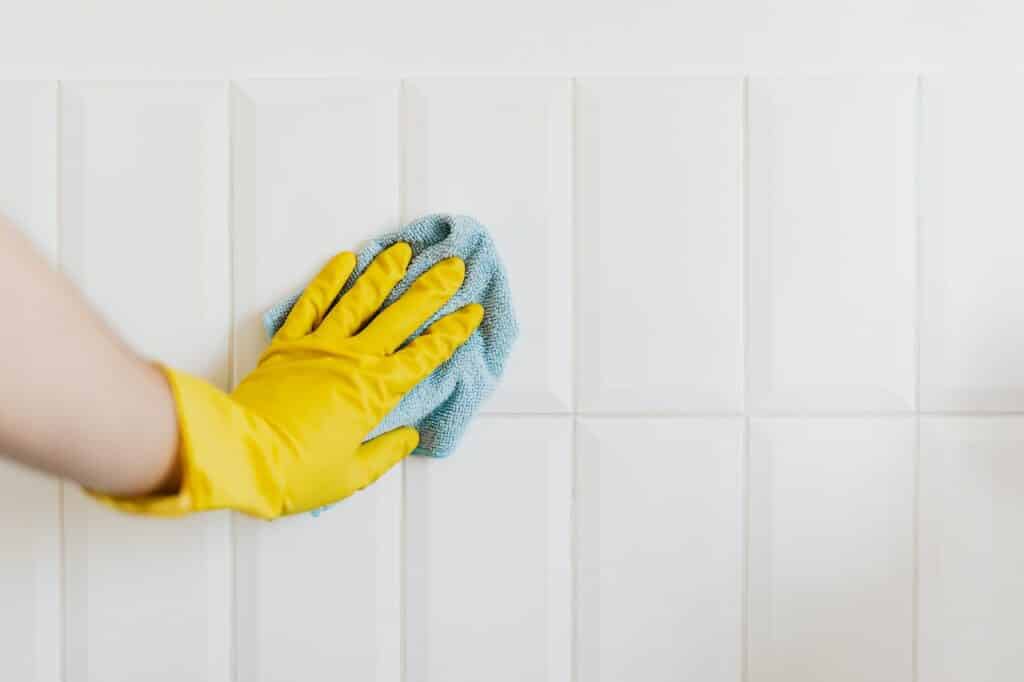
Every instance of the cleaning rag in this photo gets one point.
(442, 405)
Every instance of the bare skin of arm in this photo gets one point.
(75, 401)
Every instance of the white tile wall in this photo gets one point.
(315, 167)
(831, 553)
(661, 549)
(971, 557)
(709, 460)
(659, 213)
(145, 234)
(500, 150)
(502, 610)
(971, 321)
(830, 184)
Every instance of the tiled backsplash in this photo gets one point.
(765, 421)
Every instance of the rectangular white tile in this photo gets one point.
(30, 550)
(661, 549)
(971, 556)
(832, 243)
(315, 171)
(972, 320)
(488, 554)
(318, 598)
(144, 206)
(499, 149)
(659, 213)
(831, 565)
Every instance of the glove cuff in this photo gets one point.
(224, 458)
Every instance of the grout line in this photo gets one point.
(62, 587)
(973, 414)
(575, 292)
(576, 236)
(919, 313)
(230, 88)
(745, 325)
(745, 567)
(575, 550)
(61, 485)
(765, 414)
(401, 151)
(403, 573)
(915, 543)
(918, 241)
(653, 414)
(59, 168)
(718, 70)
(831, 414)
(745, 237)
(232, 535)
(403, 569)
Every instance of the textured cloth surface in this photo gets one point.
(442, 405)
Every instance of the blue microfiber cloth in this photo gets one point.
(442, 405)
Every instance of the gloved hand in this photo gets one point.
(290, 437)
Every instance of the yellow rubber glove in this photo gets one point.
(290, 437)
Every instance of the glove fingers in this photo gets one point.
(308, 312)
(385, 451)
(427, 351)
(368, 293)
(397, 322)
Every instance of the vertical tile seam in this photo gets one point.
(918, 237)
(575, 293)
(232, 538)
(62, 615)
(745, 275)
(918, 316)
(403, 554)
(575, 286)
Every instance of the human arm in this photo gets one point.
(151, 439)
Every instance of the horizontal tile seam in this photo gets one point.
(853, 414)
